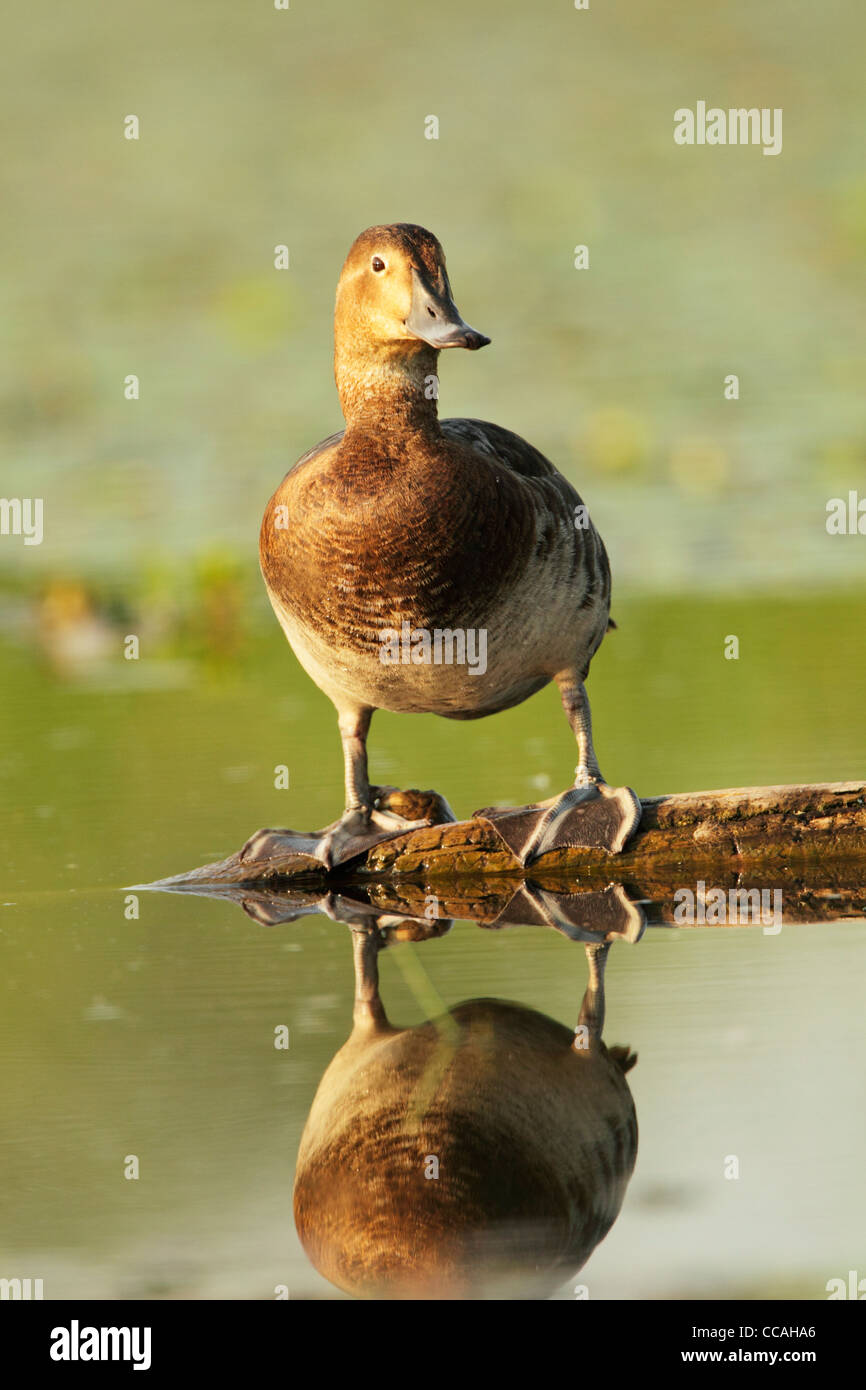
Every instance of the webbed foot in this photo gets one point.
(391, 812)
(589, 816)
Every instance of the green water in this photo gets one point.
(153, 1036)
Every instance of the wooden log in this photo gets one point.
(746, 826)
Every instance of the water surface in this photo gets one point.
(154, 1035)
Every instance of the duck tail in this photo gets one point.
(610, 624)
(624, 1057)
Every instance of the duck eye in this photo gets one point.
(377, 264)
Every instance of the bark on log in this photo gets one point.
(740, 827)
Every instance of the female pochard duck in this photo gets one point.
(432, 566)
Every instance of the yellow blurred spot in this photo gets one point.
(850, 213)
(74, 635)
(842, 459)
(699, 465)
(616, 440)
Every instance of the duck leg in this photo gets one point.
(592, 1009)
(372, 813)
(590, 815)
(369, 1011)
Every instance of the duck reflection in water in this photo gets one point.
(483, 1154)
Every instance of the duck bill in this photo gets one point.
(434, 319)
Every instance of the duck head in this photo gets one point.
(394, 313)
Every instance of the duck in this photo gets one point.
(481, 1154)
(427, 565)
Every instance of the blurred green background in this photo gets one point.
(261, 127)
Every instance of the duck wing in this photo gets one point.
(507, 448)
(554, 501)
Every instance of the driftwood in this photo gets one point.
(744, 829)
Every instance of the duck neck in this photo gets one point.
(393, 390)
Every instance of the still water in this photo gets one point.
(152, 1037)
